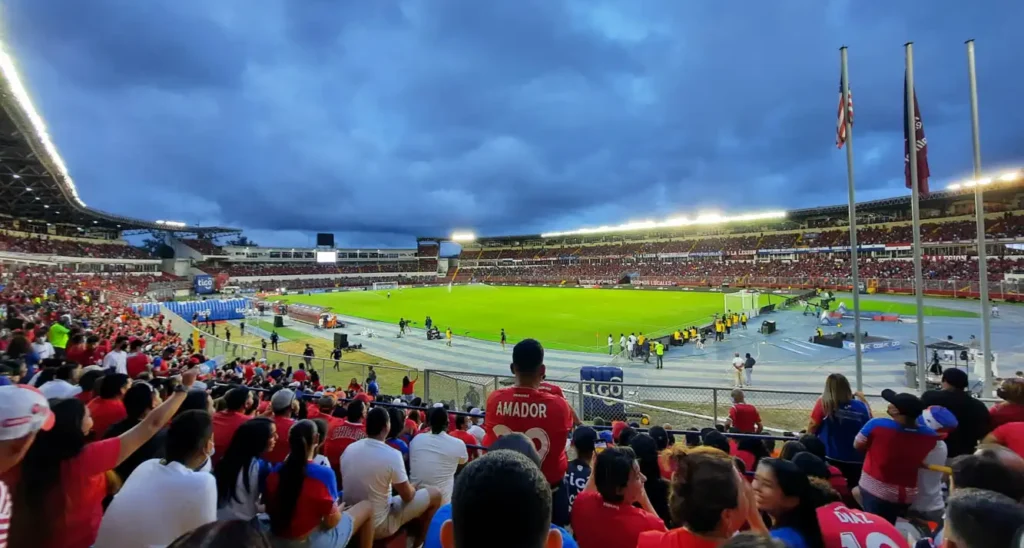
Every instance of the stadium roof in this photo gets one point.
(34, 182)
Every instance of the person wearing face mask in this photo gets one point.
(188, 497)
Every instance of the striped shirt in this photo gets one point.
(5, 513)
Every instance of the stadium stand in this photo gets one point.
(206, 247)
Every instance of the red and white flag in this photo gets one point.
(920, 143)
(845, 113)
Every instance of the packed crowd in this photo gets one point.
(39, 244)
(204, 246)
(327, 283)
(117, 280)
(931, 232)
(295, 269)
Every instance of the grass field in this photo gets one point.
(905, 309)
(567, 319)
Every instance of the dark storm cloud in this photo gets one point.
(382, 120)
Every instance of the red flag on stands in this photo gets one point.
(844, 113)
(921, 144)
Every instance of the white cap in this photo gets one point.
(23, 410)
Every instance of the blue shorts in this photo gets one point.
(320, 538)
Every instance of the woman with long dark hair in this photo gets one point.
(301, 498)
(241, 472)
(59, 494)
(837, 418)
(646, 449)
(784, 492)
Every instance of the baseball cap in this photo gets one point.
(584, 438)
(617, 428)
(957, 378)
(606, 436)
(938, 418)
(907, 404)
(363, 397)
(282, 399)
(23, 410)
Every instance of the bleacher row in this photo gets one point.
(291, 269)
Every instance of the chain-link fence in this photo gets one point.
(332, 372)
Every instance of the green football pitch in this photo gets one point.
(562, 318)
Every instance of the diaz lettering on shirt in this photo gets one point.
(523, 409)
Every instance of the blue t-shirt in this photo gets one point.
(444, 513)
(790, 536)
(839, 429)
(575, 480)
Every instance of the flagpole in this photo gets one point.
(922, 352)
(979, 214)
(854, 254)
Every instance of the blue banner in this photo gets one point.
(203, 284)
(594, 404)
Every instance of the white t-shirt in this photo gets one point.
(433, 460)
(477, 433)
(369, 468)
(247, 505)
(929, 483)
(116, 359)
(59, 388)
(185, 499)
(43, 348)
(737, 362)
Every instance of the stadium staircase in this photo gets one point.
(693, 245)
(759, 240)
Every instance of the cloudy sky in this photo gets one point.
(382, 120)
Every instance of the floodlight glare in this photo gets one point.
(703, 218)
(463, 236)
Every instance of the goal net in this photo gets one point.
(384, 285)
(742, 301)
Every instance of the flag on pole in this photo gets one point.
(920, 142)
(844, 114)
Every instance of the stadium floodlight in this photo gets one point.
(1008, 177)
(704, 218)
(463, 237)
(10, 73)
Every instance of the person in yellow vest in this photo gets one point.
(686, 336)
(728, 325)
(693, 333)
(448, 336)
(659, 349)
(640, 344)
(650, 350)
(743, 320)
(818, 332)
(719, 330)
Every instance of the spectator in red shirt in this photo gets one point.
(603, 515)
(462, 424)
(226, 422)
(523, 407)
(409, 387)
(345, 433)
(137, 361)
(108, 408)
(87, 382)
(76, 350)
(1011, 409)
(284, 405)
(23, 413)
(743, 416)
(62, 482)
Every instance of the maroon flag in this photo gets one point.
(921, 144)
(844, 114)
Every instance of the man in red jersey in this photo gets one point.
(557, 390)
(543, 417)
(345, 433)
(842, 527)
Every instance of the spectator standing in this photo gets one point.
(136, 362)
(475, 429)
(23, 413)
(116, 360)
(462, 425)
(743, 416)
(227, 422)
(929, 505)
(274, 339)
(300, 374)
(241, 472)
(371, 469)
(836, 419)
(971, 414)
(434, 457)
(737, 369)
(543, 417)
(603, 515)
(748, 365)
(62, 385)
(60, 490)
(894, 447)
(409, 387)
(58, 337)
(302, 499)
(108, 408)
(284, 405)
(187, 498)
(308, 355)
(139, 401)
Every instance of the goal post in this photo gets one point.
(742, 301)
(377, 286)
